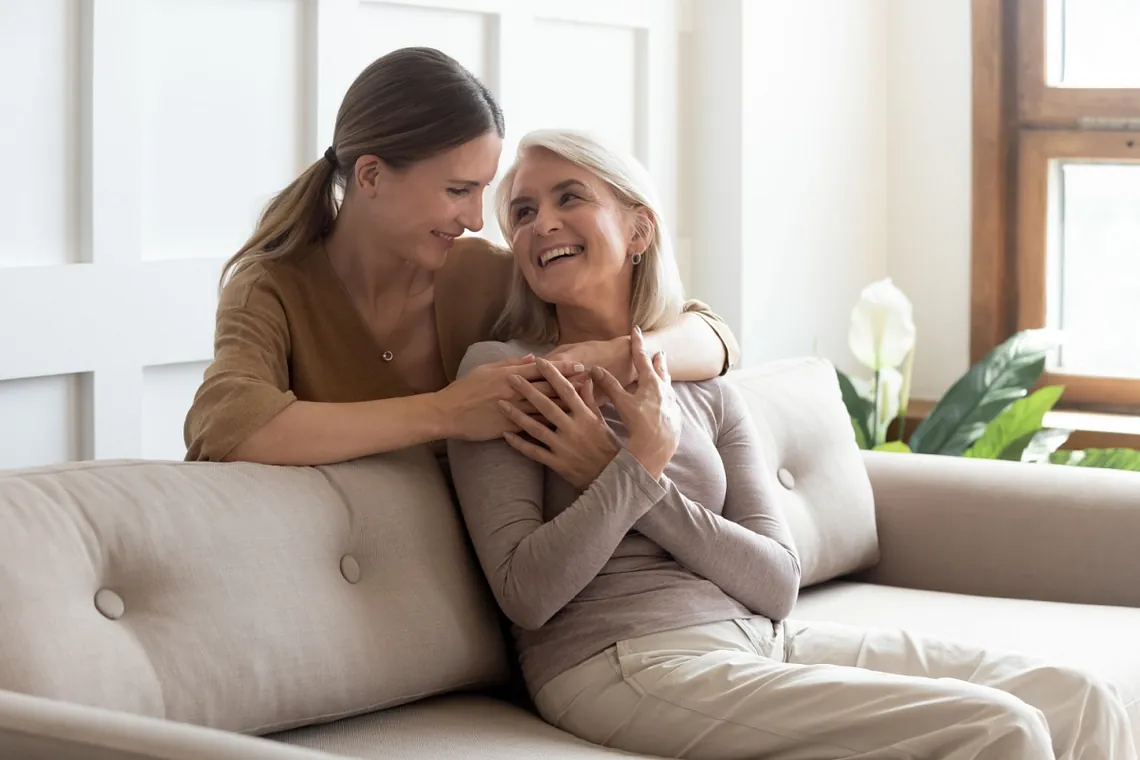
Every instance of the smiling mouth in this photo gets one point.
(556, 254)
(444, 235)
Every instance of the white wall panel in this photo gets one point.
(43, 420)
(790, 217)
(589, 79)
(39, 108)
(222, 107)
(383, 27)
(929, 182)
(168, 391)
(154, 131)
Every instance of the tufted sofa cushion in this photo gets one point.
(807, 437)
(242, 597)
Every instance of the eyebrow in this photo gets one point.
(563, 185)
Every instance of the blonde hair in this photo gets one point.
(657, 297)
(406, 106)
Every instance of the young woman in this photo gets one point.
(340, 325)
(649, 574)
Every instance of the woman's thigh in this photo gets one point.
(672, 696)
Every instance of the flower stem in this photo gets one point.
(904, 395)
(875, 413)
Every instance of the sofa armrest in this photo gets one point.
(35, 728)
(1006, 529)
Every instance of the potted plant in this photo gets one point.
(993, 411)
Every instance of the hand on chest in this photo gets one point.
(696, 469)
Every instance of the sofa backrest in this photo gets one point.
(242, 597)
(254, 598)
(809, 447)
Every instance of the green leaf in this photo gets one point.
(897, 446)
(991, 385)
(1036, 446)
(1022, 418)
(1113, 459)
(860, 441)
(858, 407)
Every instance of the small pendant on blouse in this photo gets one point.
(386, 356)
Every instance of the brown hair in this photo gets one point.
(406, 106)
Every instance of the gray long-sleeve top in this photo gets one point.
(576, 571)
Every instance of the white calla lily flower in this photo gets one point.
(890, 396)
(882, 328)
(889, 402)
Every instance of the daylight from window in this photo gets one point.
(1094, 43)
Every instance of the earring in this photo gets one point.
(636, 259)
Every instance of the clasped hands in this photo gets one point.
(567, 430)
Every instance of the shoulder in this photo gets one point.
(296, 281)
(718, 398)
(475, 279)
(476, 257)
(490, 351)
(251, 286)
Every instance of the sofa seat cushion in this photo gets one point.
(452, 727)
(1101, 639)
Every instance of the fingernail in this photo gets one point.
(504, 406)
(579, 368)
(597, 372)
(516, 379)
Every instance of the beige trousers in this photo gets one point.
(815, 691)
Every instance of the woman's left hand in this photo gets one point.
(577, 443)
(614, 356)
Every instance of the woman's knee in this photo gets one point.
(1100, 703)
(1009, 722)
(1096, 689)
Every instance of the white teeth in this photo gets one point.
(444, 235)
(556, 253)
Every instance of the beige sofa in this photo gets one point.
(178, 610)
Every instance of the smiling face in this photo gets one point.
(416, 213)
(572, 238)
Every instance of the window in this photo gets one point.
(1057, 188)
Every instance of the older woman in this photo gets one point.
(649, 575)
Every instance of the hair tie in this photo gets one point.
(330, 156)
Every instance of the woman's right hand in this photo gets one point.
(651, 413)
(471, 403)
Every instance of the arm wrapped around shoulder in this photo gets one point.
(1009, 529)
(722, 330)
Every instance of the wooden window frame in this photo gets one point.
(1044, 106)
(1021, 129)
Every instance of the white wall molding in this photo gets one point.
(789, 196)
(155, 131)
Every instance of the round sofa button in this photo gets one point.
(349, 568)
(109, 604)
(786, 479)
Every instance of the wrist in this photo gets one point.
(438, 414)
(650, 454)
(623, 367)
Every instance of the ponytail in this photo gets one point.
(299, 215)
(405, 107)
